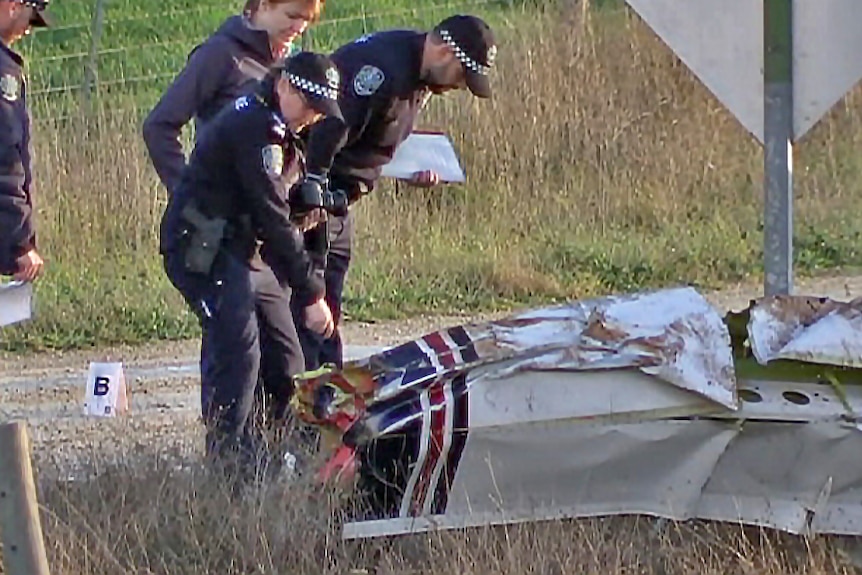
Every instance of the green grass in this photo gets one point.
(601, 166)
(143, 44)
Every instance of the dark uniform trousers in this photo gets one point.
(281, 352)
(248, 336)
(316, 349)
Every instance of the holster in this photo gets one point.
(205, 239)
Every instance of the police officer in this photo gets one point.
(388, 77)
(218, 71)
(232, 197)
(19, 256)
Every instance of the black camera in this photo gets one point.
(309, 195)
(335, 202)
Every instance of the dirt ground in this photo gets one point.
(47, 389)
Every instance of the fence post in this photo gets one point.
(21, 531)
(95, 39)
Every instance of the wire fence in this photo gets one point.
(124, 53)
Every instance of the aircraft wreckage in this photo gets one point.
(652, 403)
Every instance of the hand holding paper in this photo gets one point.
(425, 179)
(425, 152)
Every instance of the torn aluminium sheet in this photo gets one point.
(625, 404)
(812, 329)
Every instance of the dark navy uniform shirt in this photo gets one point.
(243, 165)
(381, 96)
(218, 71)
(17, 232)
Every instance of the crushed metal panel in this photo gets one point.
(811, 329)
(655, 468)
(673, 334)
(612, 395)
(775, 474)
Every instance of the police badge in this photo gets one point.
(273, 160)
(332, 78)
(368, 80)
(9, 87)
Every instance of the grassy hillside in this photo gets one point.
(601, 166)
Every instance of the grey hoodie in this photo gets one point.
(218, 71)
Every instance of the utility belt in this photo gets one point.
(208, 235)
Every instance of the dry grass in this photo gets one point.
(153, 520)
(601, 166)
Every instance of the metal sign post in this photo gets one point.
(778, 146)
(778, 66)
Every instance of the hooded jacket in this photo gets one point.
(218, 71)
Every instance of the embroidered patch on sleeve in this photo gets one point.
(368, 80)
(9, 87)
(273, 160)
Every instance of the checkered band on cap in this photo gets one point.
(37, 4)
(465, 59)
(312, 88)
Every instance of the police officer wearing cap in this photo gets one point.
(388, 77)
(232, 197)
(18, 251)
(222, 68)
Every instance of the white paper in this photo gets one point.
(105, 394)
(425, 151)
(16, 302)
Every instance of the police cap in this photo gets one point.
(474, 45)
(40, 18)
(317, 77)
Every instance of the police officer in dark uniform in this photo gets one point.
(222, 68)
(232, 197)
(18, 251)
(388, 77)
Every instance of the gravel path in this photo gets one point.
(47, 389)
